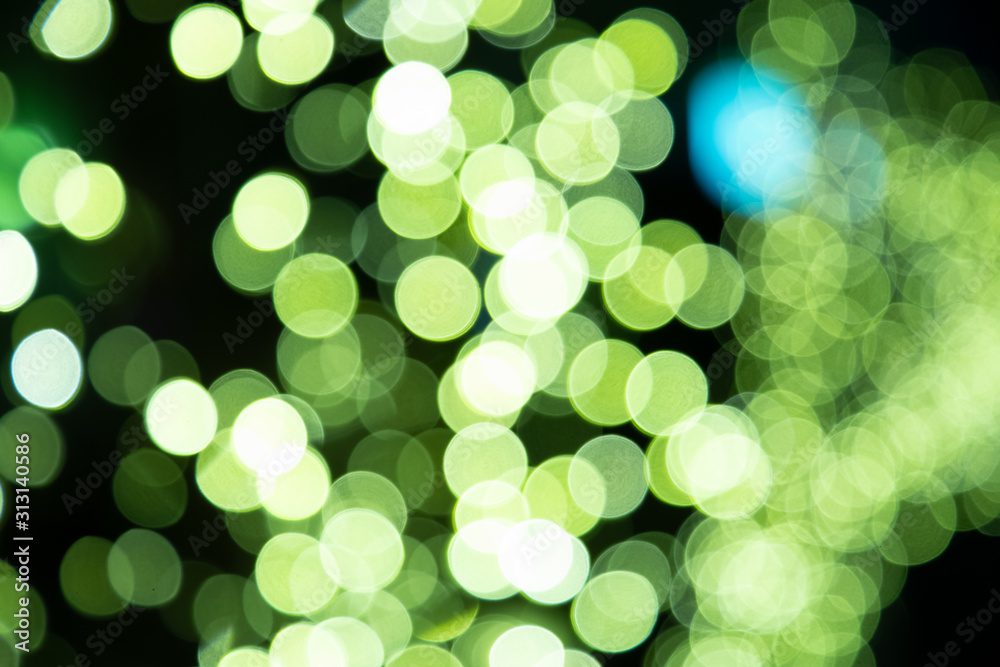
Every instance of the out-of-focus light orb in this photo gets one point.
(278, 17)
(438, 298)
(663, 390)
(7, 101)
(144, 568)
(650, 50)
(543, 276)
(363, 550)
(297, 56)
(302, 491)
(497, 378)
(47, 369)
(181, 417)
(615, 611)
(206, 40)
(18, 270)
(412, 97)
(360, 643)
(39, 179)
(527, 646)
(534, 554)
(246, 656)
(90, 200)
(270, 211)
(270, 437)
(74, 29)
(315, 295)
(746, 145)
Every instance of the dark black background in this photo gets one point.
(168, 145)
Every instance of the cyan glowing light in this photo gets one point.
(748, 143)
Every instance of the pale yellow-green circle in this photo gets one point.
(360, 643)
(270, 211)
(482, 104)
(645, 131)
(473, 562)
(291, 576)
(663, 390)
(650, 50)
(224, 479)
(367, 490)
(301, 492)
(497, 180)
(548, 495)
(484, 452)
(615, 611)
(597, 379)
(496, 378)
(592, 71)
(418, 211)
(438, 298)
(270, 437)
(578, 143)
(206, 40)
(603, 228)
(297, 56)
(144, 568)
(75, 29)
(244, 267)
(277, 17)
(526, 645)
(543, 276)
(290, 647)
(316, 295)
(90, 200)
(246, 657)
(39, 178)
(83, 577)
(364, 550)
(704, 285)
(181, 417)
(424, 655)
(621, 466)
(18, 270)
(320, 366)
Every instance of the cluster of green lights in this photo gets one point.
(859, 434)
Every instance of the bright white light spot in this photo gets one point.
(47, 369)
